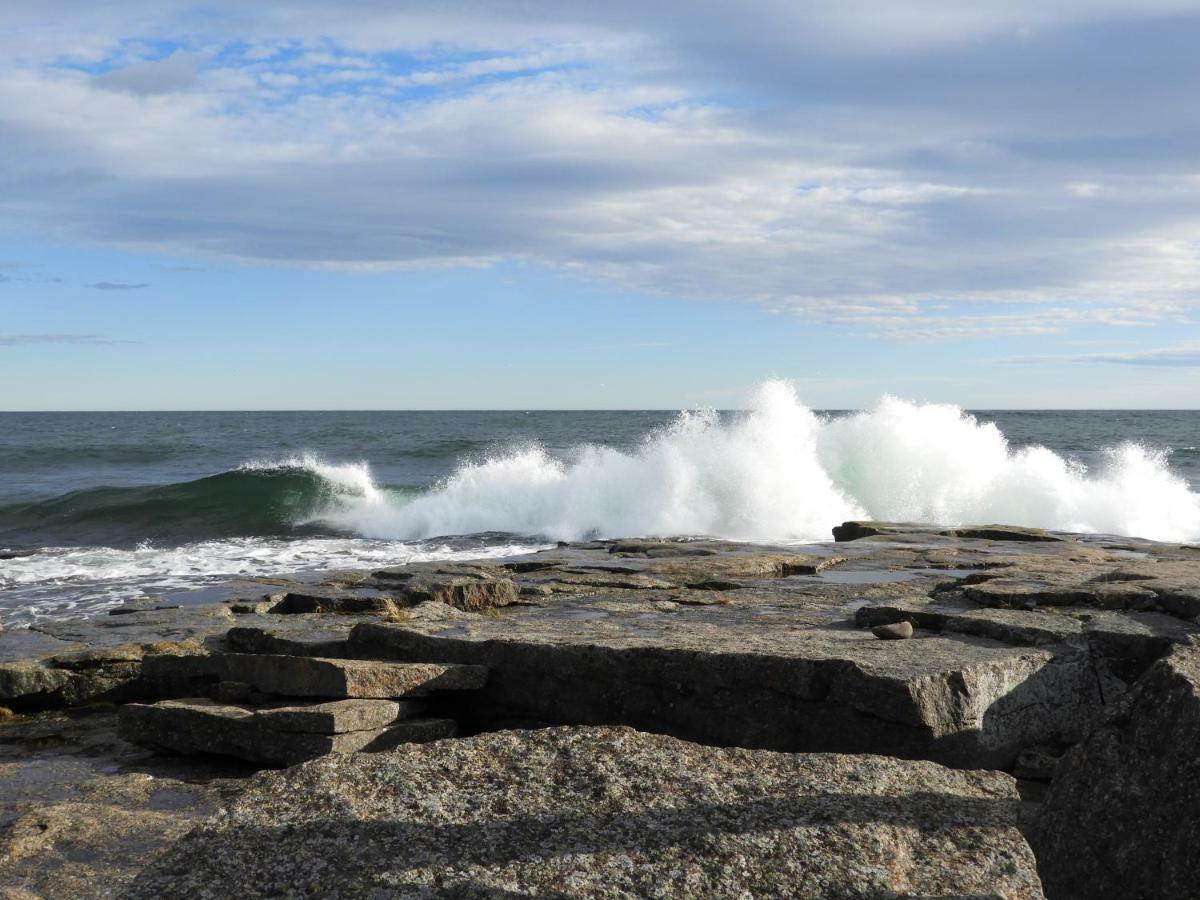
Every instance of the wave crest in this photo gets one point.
(258, 499)
(780, 471)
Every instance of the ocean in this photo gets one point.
(96, 508)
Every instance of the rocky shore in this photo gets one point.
(907, 712)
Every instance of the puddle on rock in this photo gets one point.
(582, 614)
(861, 576)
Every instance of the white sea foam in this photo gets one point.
(781, 472)
(352, 478)
(59, 582)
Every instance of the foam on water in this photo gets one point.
(58, 582)
(352, 478)
(781, 472)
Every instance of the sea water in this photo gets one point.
(109, 506)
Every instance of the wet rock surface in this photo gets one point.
(605, 812)
(81, 811)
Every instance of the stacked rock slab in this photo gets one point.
(606, 812)
(365, 717)
(300, 676)
(725, 679)
(276, 735)
(1122, 817)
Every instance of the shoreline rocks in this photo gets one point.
(1122, 814)
(1001, 648)
(605, 812)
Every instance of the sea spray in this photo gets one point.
(781, 472)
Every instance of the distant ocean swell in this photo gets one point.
(778, 472)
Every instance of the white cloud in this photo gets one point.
(24, 340)
(1183, 355)
(924, 172)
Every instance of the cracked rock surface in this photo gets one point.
(1121, 816)
(605, 812)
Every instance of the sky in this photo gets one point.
(298, 204)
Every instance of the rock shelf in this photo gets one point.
(607, 812)
(1063, 658)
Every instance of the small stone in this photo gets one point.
(896, 631)
(665, 605)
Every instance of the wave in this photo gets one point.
(258, 499)
(780, 471)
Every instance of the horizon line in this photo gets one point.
(828, 409)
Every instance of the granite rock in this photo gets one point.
(271, 736)
(302, 676)
(1123, 810)
(726, 676)
(605, 812)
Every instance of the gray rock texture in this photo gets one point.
(269, 736)
(604, 812)
(1122, 817)
(333, 717)
(301, 676)
(1023, 643)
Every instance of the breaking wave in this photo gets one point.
(258, 499)
(780, 471)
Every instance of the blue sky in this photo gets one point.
(294, 204)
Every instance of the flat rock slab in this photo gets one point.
(1122, 815)
(303, 676)
(737, 678)
(198, 725)
(606, 812)
(334, 717)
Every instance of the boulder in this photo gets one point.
(312, 600)
(472, 587)
(605, 812)
(1122, 815)
(853, 531)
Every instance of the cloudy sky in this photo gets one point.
(515, 203)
